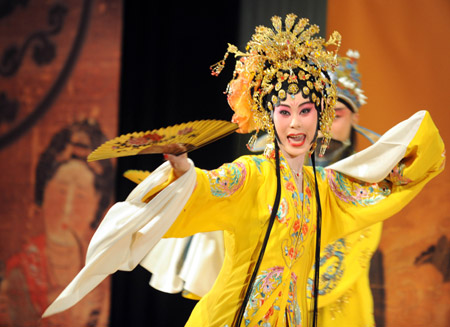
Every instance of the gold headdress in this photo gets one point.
(291, 54)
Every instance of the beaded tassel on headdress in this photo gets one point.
(273, 57)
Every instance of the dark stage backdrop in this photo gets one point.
(167, 51)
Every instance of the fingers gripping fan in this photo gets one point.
(173, 139)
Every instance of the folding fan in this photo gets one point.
(173, 139)
(136, 176)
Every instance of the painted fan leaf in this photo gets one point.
(173, 139)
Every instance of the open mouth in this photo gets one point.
(296, 139)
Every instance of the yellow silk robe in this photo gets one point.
(237, 198)
(345, 297)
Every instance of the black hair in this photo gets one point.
(301, 84)
(53, 158)
(346, 103)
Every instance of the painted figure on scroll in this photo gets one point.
(275, 211)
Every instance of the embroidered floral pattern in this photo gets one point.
(357, 194)
(396, 175)
(337, 307)
(227, 179)
(333, 257)
(321, 172)
(294, 220)
(292, 247)
(283, 210)
(263, 287)
(258, 161)
(265, 284)
(293, 311)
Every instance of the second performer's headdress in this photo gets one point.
(347, 79)
(278, 62)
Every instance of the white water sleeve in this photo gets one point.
(128, 232)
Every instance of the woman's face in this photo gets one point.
(295, 121)
(343, 121)
(70, 203)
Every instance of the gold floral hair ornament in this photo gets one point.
(348, 81)
(281, 61)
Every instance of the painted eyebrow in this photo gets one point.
(288, 106)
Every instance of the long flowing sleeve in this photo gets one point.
(198, 201)
(379, 181)
(127, 233)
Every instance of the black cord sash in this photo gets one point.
(315, 291)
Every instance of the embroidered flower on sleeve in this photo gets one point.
(355, 192)
(258, 161)
(227, 179)
(396, 175)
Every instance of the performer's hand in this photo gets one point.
(179, 163)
